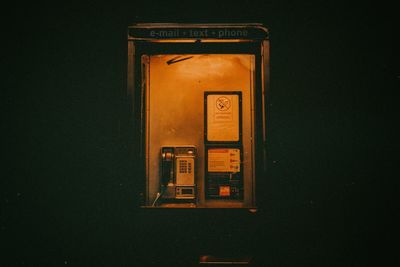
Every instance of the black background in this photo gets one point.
(68, 194)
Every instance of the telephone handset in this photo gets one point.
(177, 179)
(167, 166)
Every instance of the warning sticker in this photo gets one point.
(224, 190)
(224, 160)
(223, 117)
(223, 103)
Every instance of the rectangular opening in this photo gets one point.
(175, 86)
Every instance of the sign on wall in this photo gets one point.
(223, 118)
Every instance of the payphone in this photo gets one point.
(198, 109)
(177, 178)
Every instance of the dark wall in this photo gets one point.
(68, 194)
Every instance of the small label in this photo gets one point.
(224, 190)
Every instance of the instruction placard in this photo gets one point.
(224, 160)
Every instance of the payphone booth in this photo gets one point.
(197, 93)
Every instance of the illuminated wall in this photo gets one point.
(175, 86)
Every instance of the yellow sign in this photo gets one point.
(223, 117)
(224, 160)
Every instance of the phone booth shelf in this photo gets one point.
(197, 96)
